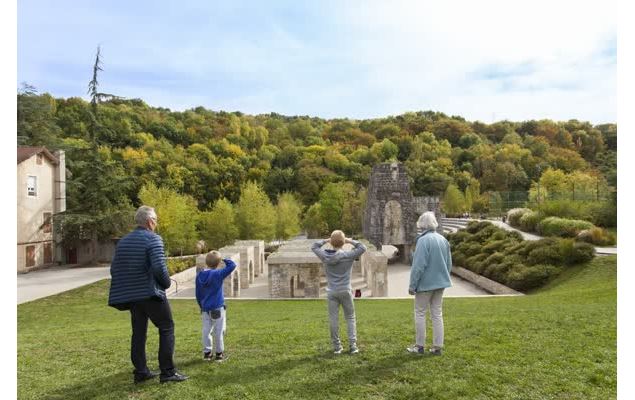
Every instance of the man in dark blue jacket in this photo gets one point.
(139, 279)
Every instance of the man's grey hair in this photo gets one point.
(143, 214)
(427, 221)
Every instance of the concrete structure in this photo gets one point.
(246, 265)
(294, 274)
(259, 255)
(295, 271)
(41, 193)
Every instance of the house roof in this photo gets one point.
(26, 152)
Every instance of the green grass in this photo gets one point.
(557, 343)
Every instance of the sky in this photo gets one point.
(482, 60)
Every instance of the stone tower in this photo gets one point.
(390, 216)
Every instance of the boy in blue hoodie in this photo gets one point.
(338, 264)
(209, 295)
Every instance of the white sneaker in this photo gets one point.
(338, 350)
(354, 349)
(416, 349)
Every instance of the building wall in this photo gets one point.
(30, 212)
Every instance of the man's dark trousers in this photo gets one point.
(159, 312)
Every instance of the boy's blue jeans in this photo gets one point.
(345, 299)
(215, 328)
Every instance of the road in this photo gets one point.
(50, 281)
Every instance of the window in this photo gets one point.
(38, 159)
(31, 186)
(46, 226)
(30, 256)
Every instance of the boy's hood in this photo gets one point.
(204, 277)
(333, 257)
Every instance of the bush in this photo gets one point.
(515, 236)
(514, 215)
(495, 258)
(554, 226)
(476, 226)
(475, 263)
(529, 245)
(529, 221)
(178, 264)
(544, 255)
(524, 278)
(498, 272)
(597, 236)
(458, 237)
(484, 234)
(565, 209)
(458, 258)
(497, 245)
(582, 252)
(603, 214)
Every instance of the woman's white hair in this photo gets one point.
(143, 214)
(427, 221)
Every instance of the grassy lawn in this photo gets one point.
(557, 343)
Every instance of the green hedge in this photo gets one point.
(504, 257)
(515, 214)
(178, 264)
(554, 226)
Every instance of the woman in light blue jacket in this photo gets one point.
(429, 276)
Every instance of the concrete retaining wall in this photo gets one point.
(483, 282)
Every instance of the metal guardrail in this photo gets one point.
(177, 285)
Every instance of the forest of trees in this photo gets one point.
(219, 165)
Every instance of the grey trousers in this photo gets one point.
(432, 299)
(215, 328)
(345, 299)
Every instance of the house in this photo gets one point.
(41, 192)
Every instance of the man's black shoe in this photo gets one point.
(177, 377)
(143, 378)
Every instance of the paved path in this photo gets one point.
(46, 282)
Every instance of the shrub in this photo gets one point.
(554, 226)
(565, 209)
(582, 252)
(529, 221)
(603, 214)
(515, 236)
(499, 272)
(458, 237)
(544, 255)
(475, 263)
(178, 264)
(495, 258)
(514, 215)
(476, 226)
(458, 258)
(496, 245)
(529, 245)
(597, 236)
(484, 234)
(524, 278)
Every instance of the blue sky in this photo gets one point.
(485, 60)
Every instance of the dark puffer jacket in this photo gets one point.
(139, 271)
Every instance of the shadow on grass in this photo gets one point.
(120, 385)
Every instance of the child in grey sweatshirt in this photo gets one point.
(338, 264)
